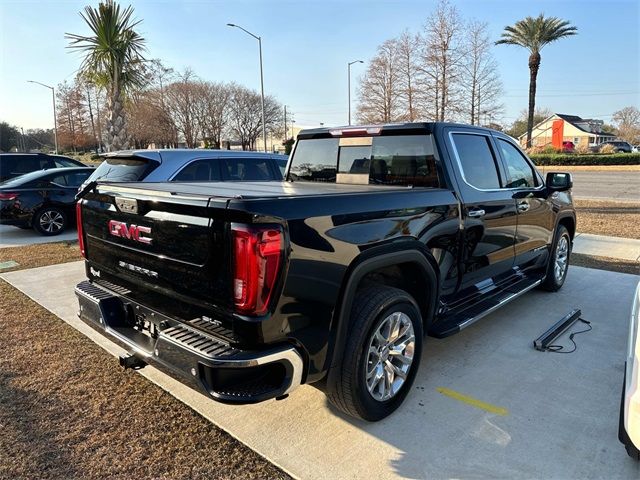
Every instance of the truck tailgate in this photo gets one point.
(174, 245)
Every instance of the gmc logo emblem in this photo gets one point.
(130, 232)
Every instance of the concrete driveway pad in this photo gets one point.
(11, 236)
(484, 404)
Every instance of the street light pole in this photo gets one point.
(264, 127)
(55, 116)
(349, 84)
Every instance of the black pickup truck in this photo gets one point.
(378, 236)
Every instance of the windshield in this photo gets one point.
(123, 170)
(400, 160)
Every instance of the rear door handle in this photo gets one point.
(478, 212)
(523, 206)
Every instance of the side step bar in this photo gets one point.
(457, 321)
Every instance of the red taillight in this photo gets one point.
(257, 258)
(8, 195)
(79, 226)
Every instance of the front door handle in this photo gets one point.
(523, 206)
(478, 212)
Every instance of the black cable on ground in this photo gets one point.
(561, 348)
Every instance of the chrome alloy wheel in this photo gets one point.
(562, 257)
(51, 221)
(390, 355)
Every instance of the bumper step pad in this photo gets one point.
(203, 360)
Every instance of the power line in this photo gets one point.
(592, 94)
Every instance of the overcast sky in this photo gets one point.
(307, 44)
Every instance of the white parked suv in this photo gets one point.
(629, 431)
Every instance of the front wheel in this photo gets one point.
(381, 356)
(558, 261)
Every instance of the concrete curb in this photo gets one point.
(605, 246)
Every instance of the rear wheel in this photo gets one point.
(49, 221)
(558, 261)
(381, 356)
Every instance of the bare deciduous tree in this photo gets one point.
(480, 81)
(214, 111)
(73, 117)
(627, 122)
(246, 115)
(443, 57)
(380, 91)
(180, 101)
(410, 80)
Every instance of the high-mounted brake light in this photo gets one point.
(257, 260)
(8, 196)
(80, 229)
(355, 132)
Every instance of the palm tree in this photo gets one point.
(113, 60)
(533, 34)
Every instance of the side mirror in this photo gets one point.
(559, 182)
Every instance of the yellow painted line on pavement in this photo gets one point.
(474, 402)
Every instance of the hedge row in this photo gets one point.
(593, 159)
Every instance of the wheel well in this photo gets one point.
(405, 276)
(570, 224)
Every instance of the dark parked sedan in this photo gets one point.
(44, 200)
(16, 164)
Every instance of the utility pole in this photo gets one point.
(264, 126)
(55, 117)
(24, 146)
(285, 123)
(349, 84)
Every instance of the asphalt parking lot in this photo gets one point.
(14, 237)
(485, 404)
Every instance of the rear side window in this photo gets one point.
(477, 162)
(247, 169)
(76, 179)
(123, 170)
(282, 166)
(7, 166)
(200, 171)
(386, 160)
(519, 171)
(59, 180)
(21, 164)
(64, 162)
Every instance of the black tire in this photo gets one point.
(553, 282)
(50, 221)
(632, 451)
(347, 386)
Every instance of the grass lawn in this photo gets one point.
(604, 217)
(68, 411)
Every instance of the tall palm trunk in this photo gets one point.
(117, 137)
(534, 66)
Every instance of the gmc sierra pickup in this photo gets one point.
(378, 236)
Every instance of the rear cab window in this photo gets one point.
(119, 169)
(476, 159)
(400, 160)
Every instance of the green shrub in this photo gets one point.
(592, 159)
